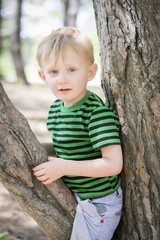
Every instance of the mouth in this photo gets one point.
(64, 89)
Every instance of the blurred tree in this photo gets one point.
(71, 10)
(16, 42)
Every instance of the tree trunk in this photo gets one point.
(0, 35)
(71, 10)
(129, 35)
(53, 206)
(16, 42)
(0, 27)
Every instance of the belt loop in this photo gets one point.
(119, 191)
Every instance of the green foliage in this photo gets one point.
(3, 235)
(6, 60)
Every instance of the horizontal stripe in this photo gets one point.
(79, 181)
(68, 141)
(66, 123)
(106, 117)
(68, 117)
(84, 110)
(103, 132)
(80, 178)
(96, 148)
(71, 136)
(88, 186)
(102, 112)
(98, 194)
(98, 188)
(105, 139)
(76, 156)
(105, 188)
(76, 146)
(69, 129)
(77, 153)
(85, 150)
(101, 125)
(91, 105)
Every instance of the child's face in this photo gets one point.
(67, 77)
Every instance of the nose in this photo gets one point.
(62, 79)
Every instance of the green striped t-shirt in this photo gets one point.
(79, 132)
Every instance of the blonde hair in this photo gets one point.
(58, 41)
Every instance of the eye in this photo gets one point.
(71, 70)
(54, 71)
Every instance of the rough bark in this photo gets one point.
(0, 26)
(52, 206)
(129, 35)
(16, 42)
(0, 35)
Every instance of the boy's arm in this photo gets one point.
(109, 165)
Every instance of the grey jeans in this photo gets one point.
(97, 219)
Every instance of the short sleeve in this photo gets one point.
(104, 128)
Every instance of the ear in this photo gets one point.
(41, 74)
(92, 71)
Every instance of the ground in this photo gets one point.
(33, 101)
(15, 221)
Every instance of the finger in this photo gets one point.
(39, 167)
(39, 173)
(48, 181)
(50, 159)
(35, 169)
(43, 178)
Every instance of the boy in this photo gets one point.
(85, 135)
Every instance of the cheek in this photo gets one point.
(82, 78)
(50, 82)
(52, 86)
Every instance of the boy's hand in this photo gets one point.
(49, 171)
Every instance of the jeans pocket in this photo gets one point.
(110, 205)
(100, 208)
